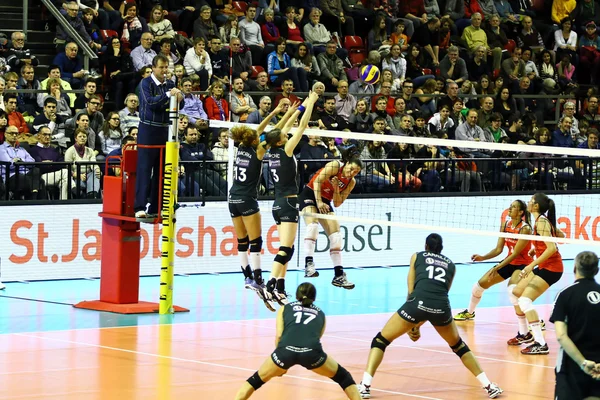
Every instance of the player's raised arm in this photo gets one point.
(307, 107)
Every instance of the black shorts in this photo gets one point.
(550, 277)
(243, 207)
(572, 383)
(307, 199)
(417, 310)
(507, 271)
(288, 356)
(285, 210)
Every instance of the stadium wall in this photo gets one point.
(64, 241)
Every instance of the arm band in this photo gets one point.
(301, 109)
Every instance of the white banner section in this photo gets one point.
(64, 241)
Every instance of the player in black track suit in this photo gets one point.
(576, 321)
(300, 325)
(243, 203)
(284, 171)
(429, 280)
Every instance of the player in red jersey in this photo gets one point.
(535, 281)
(510, 268)
(332, 183)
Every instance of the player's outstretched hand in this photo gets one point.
(414, 334)
(313, 96)
(476, 257)
(492, 274)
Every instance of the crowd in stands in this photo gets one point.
(449, 69)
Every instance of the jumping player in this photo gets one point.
(243, 203)
(300, 325)
(429, 280)
(509, 268)
(549, 269)
(284, 171)
(334, 182)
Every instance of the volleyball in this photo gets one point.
(370, 74)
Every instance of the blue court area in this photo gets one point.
(47, 306)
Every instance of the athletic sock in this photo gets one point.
(271, 284)
(339, 271)
(522, 324)
(483, 379)
(281, 285)
(255, 260)
(536, 329)
(247, 272)
(258, 276)
(367, 379)
(476, 294)
(243, 257)
(307, 260)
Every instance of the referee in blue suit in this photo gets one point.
(155, 93)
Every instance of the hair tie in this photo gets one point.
(303, 297)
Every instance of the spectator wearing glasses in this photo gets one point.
(193, 107)
(18, 55)
(62, 36)
(52, 174)
(130, 116)
(23, 181)
(96, 119)
(332, 67)
(569, 111)
(143, 54)
(264, 108)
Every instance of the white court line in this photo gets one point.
(511, 324)
(216, 322)
(404, 346)
(210, 364)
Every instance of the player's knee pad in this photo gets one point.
(525, 304)
(477, 290)
(335, 241)
(460, 348)
(514, 300)
(312, 231)
(256, 245)
(286, 257)
(243, 244)
(380, 342)
(255, 381)
(343, 378)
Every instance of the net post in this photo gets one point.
(169, 200)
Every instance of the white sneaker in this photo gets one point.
(493, 390)
(364, 390)
(310, 271)
(280, 297)
(2, 286)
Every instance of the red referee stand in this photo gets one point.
(120, 259)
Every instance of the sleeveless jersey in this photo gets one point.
(523, 258)
(284, 171)
(327, 186)
(554, 263)
(247, 173)
(302, 326)
(433, 275)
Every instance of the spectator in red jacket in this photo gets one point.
(215, 105)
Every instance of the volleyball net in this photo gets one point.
(418, 185)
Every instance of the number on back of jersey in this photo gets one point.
(240, 174)
(300, 314)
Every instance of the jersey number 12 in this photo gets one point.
(299, 314)
(441, 273)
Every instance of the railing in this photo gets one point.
(88, 53)
(205, 179)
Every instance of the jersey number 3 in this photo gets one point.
(309, 318)
(441, 273)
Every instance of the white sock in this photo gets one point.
(243, 258)
(522, 324)
(538, 336)
(309, 247)
(483, 379)
(367, 379)
(476, 294)
(255, 264)
(336, 257)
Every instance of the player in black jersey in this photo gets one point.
(575, 318)
(429, 280)
(300, 325)
(284, 171)
(243, 203)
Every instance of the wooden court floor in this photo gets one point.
(210, 360)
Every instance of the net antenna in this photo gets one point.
(483, 215)
(168, 212)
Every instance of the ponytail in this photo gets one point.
(351, 155)
(525, 216)
(551, 214)
(306, 294)
(546, 207)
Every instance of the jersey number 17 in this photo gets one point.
(299, 315)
